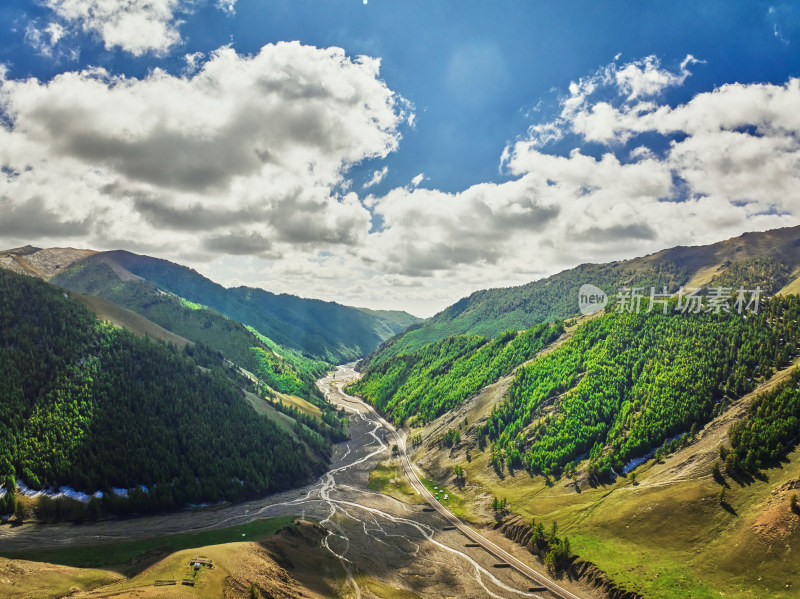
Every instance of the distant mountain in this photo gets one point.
(390, 322)
(283, 372)
(92, 406)
(37, 262)
(770, 259)
(318, 329)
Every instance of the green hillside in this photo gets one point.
(91, 406)
(284, 371)
(625, 383)
(321, 330)
(770, 259)
(438, 377)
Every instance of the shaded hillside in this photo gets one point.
(107, 311)
(94, 407)
(771, 258)
(295, 375)
(318, 329)
(275, 557)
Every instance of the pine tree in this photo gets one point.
(19, 513)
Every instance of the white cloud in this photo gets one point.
(239, 168)
(46, 39)
(739, 144)
(728, 162)
(377, 177)
(227, 6)
(634, 86)
(645, 78)
(243, 156)
(136, 26)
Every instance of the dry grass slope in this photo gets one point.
(21, 579)
(301, 404)
(287, 565)
(127, 319)
(44, 264)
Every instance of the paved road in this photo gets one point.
(471, 534)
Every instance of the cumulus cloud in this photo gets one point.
(135, 26)
(634, 85)
(737, 144)
(247, 147)
(728, 161)
(239, 167)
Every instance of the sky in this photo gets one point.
(396, 155)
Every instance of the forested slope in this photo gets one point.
(283, 370)
(626, 382)
(318, 329)
(771, 426)
(425, 384)
(770, 259)
(94, 407)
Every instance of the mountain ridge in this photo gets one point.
(317, 328)
(488, 312)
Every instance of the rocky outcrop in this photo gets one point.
(519, 531)
(589, 574)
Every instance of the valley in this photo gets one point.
(377, 541)
(624, 454)
(399, 300)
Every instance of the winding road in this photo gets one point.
(373, 536)
(419, 487)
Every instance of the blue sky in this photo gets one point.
(478, 78)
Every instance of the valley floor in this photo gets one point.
(373, 545)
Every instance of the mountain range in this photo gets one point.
(659, 445)
(320, 330)
(770, 259)
(602, 429)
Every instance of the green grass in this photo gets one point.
(667, 541)
(121, 556)
(388, 478)
(455, 502)
(665, 576)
